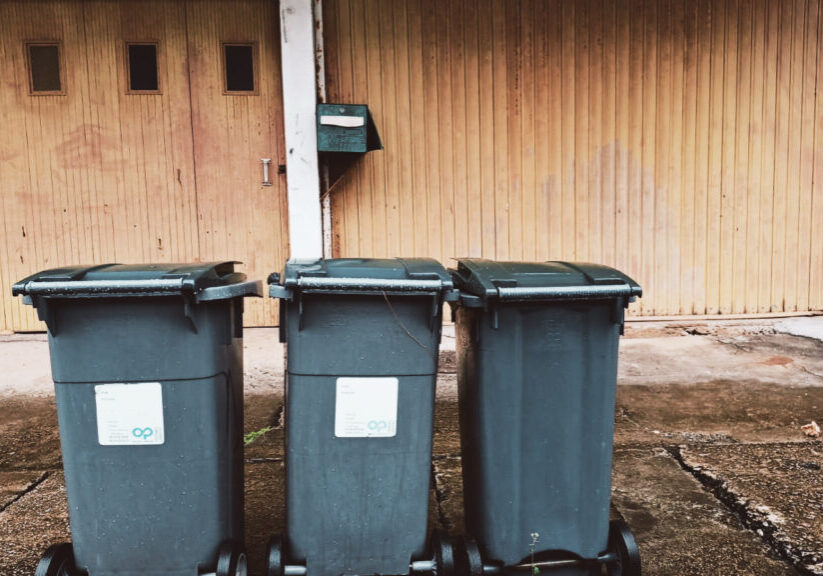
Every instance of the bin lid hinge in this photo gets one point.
(299, 311)
(188, 311)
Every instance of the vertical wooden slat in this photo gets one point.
(511, 67)
(429, 174)
(376, 162)
(474, 161)
(408, 181)
(741, 185)
(593, 157)
(446, 132)
(754, 174)
(768, 162)
(649, 151)
(568, 115)
(686, 290)
(610, 210)
(784, 115)
(794, 167)
(526, 220)
(623, 153)
(555, 45)
(580, 134)
(661, 134)
(802, 260)
(636, 113)
(486, 120)
(500, 116)
(816, 211)
(673, 219)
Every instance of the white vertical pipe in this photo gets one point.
(299, 113)
(320, 67)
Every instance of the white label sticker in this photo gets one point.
(366, 408)
(129, 414)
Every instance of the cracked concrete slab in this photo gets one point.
(752, 480)
(28, 434)
(680, 527)
(695, 359)
(724, 410)
(31, 524)
(14, 484)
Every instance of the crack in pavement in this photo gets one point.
(438, 498)
(806, 370)
(757, 521)
(262, 460)
(31, 487)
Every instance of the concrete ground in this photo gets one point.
(711, 469)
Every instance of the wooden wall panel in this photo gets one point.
(680, 141)
(99, 175)
(93, 175)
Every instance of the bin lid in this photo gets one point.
(203, 281)
(525, 281)
(409, 276)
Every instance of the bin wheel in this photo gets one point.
(275, 557)
(621, 541)
(472, 557)
(57, 560)
(443, 554)
(231, 560)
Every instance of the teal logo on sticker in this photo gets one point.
(377, 425)
(143, 433)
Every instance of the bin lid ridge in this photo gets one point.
(553, 280)
(122, 280)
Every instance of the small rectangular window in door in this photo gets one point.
(45, 71)
(239, 68)
(142, 66)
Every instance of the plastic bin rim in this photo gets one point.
(474, 284)
(69, 283)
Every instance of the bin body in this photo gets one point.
(360, 333)
(537, 353)
(161, 364)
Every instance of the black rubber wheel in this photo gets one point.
(621, 542)
(275, 557)
(443, 554)
(231, 560)
(472, 559)
(58, 560)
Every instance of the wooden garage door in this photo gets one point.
(100, 173)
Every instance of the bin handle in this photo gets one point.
(240, 289)
(91, 288)
(604, 291)
(370, 284)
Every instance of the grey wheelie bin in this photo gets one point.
(147, 364)
(362, 348)
(537, 356)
